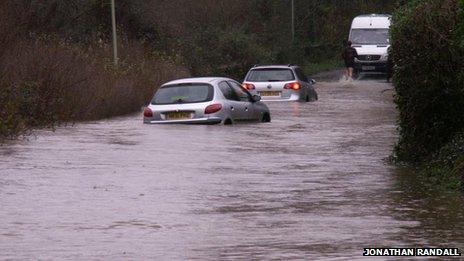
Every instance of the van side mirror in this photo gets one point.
(255, 98)
(312, 81)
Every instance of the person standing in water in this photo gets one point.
(389, 70)
(348, 55)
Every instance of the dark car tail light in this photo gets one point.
(148, 113)
(248, 86)
(293, 86)
(213, 108)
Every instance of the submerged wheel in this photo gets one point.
(227, 122)
(266, 117)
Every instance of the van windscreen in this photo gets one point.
(370, 36)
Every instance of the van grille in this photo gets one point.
(368, 57)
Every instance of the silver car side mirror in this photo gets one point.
(256, 98)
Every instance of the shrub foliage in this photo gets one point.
(46, 80)
(429, 76)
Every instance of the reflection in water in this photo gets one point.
(311, 184)
(296, 108)
(441, 214)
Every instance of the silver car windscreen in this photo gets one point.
(270, 75)
(369, 36)
(184, 93)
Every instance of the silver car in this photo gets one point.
(205, 100)
(280, 83)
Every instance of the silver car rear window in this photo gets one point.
(270, 75)
(184, 93)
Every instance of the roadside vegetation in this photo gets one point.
(55, 56)
(47, 78)
(228, 37)
(428, 49)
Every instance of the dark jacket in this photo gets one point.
(349, 54)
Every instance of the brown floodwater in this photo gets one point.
(312, 184)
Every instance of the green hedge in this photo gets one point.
(428, 49)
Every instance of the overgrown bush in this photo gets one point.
(45, 80)
(429, 76)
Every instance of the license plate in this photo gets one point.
(368, 68)
(269, 93)
(178, 115)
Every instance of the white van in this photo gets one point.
(370, 37)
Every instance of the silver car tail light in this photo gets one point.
(213, 108)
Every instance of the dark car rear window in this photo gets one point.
(270, 75)
(183, 93)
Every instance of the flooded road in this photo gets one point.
(312, 184)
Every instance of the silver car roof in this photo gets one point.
(208, 80)
(274, 67)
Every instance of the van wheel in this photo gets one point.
(266, 117)
(227, 122)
